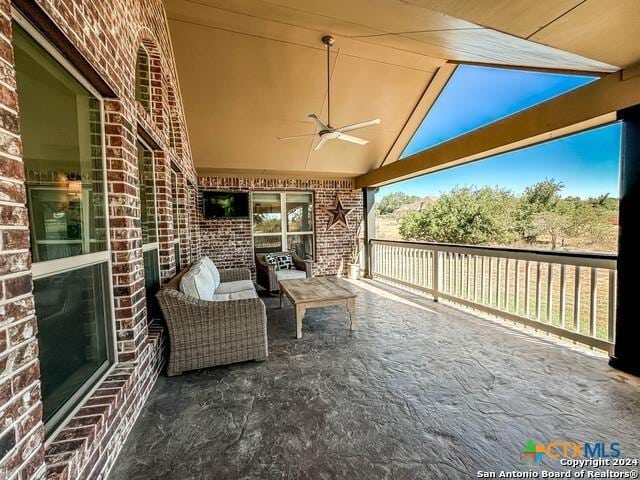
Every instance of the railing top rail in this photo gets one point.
(591, 259)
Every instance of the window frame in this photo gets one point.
(48, 268)
(284, 223)
(150, 245)
(146, 108)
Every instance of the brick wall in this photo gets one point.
(228, 242)
(107, 34)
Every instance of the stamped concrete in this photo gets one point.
(419, 391)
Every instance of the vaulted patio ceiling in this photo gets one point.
(251, 70)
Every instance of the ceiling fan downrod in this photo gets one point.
(328, 40)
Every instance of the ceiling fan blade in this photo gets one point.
(352, 139)
(355, 126)
(317, 121)
(297, 136)
(322, 141)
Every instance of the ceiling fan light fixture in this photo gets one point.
(325, 130)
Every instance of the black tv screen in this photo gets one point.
(225, 204)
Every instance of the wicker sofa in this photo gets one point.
(206, 333)
(268, 277)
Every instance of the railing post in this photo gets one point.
(369, 220)
(437, 264)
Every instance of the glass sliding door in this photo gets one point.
(267, 222)
(299, 207)
(149, 225)
(61, 129)
(283, 221)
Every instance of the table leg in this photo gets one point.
(300, 310)
(281, 298)
(351, 306)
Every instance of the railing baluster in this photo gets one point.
(576, 300)
(449, 273)
(468, 295)
(507, 267)
(527, 289)
(549, 290)
(452, 269)
(475, 277)
(435, 270)
(611, 327)
(490, 281)
(593, 303)
(498, 281)
(482, 272)
(563, 294)
(538, 293)
(516, 289)
(388, 262)
(460, 273)
(456, 286)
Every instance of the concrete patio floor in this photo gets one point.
(420, 391)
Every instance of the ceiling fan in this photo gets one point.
(327, 132)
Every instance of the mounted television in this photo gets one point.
(225, 204)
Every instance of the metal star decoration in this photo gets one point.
(338, 214)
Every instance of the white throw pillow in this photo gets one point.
(197, 283)
(208, 264)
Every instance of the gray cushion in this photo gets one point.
(236, 286)
(244, 294)
(290, 274)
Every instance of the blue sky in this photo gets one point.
(587, 163)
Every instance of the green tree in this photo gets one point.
(392, 201)
(571, 217)
(537, 199)
(464, 215)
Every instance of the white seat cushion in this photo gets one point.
(220, 297)
(290, 274)
(234, 287)
(242, 295)
(209, 266)
(197, 283)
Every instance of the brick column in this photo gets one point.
(21, 429)
(125, 232)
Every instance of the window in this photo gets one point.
(143, 79)
(148, 223)
(176, 219)
(61, 128)
(275, 231)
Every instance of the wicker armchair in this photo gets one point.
(205, 334)
(266, 274)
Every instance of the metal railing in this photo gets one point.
(568, 294)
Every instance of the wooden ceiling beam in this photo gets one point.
(583, 108)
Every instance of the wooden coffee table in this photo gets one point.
(317, 292)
